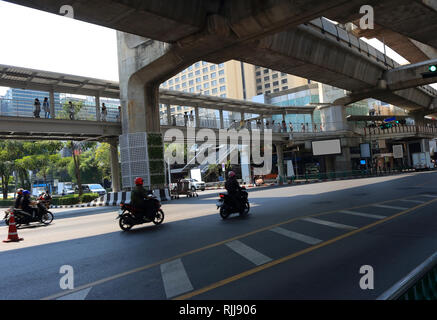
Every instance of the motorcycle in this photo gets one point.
(129, 216)
(46, 200)
(22, 217)
(227, 208)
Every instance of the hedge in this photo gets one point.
(74, 199)
(7, 203)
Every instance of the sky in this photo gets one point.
(39, 40)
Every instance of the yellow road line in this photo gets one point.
(123, 274)
(294, 255)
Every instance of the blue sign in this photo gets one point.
(390, 119)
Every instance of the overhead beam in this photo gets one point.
(410, 76)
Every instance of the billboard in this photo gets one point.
(326, 147)
(398, 152)
(365, 150)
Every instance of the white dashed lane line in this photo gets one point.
(249, 253)
(329, 223)
(296, 236)
(388, 207)
(175, 278)
(413, 201)
(360, 214)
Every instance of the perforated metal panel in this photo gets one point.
(134, 159)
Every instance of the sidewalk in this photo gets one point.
(271, 183)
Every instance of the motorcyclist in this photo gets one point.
(25, 204)
(234, 190)
(139, 198)
(18, 199)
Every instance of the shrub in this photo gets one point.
(88, 197)
(7, 203)
(65, 201)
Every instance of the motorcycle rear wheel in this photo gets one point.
(223, 213)
(246, 209)
(125, 222)
(159, 218)
(47, 218)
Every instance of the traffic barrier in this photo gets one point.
(12, 234)
(115, 199)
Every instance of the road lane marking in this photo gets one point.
(296, 236)
(257, 258)
(294, 255)
(388, 207)
(413, 201)
(428, 196)
(79, 295)
(360, 214)
(187, 253)
(329, 224)
(175, 278)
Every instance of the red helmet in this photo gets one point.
(231, 174)
(139, 181)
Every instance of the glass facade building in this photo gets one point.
(20, 102)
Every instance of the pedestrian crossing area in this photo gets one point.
(179, 278)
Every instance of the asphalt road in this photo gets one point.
(299, 242)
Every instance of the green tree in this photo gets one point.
(9, 151)
(65, 112)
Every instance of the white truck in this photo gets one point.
(422, 161)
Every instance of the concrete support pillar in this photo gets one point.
(333, 118)
(280, 159)
(312, 122)
(143, 64)
(98, 108)
(242, 116)
(419, 118)
(115, 166)
(343, 162)
(168, 114)
(52, 104)
(197, 117)
(245, 164)
(222, 122)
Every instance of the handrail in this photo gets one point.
(402, 290)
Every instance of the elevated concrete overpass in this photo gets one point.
(406, 26)
(282, 35)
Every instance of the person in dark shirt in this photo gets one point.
(18, 199)
(25, 203)
(233, 188)
(139, 199)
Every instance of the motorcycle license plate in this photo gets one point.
(219, 203)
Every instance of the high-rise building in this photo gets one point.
(232, 79)
(270, 81)
(20, 102)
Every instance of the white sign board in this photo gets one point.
(326, 147)
(398, 152)
(290, 169)
(195, 174)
